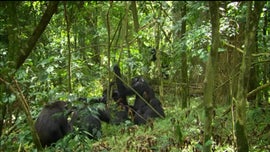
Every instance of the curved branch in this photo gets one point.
(258, 89)
(51, 9)
(233, 47)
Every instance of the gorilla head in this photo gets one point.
(52, 123)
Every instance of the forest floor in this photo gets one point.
(181, 130)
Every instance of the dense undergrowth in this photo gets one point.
(181, 130)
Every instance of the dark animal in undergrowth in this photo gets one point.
(99, 106)
(52, 123)
(88, 122)
(146, 105)
(120, 112)
(164, 58)
(113, 114)
(122, 90)
(114, 94)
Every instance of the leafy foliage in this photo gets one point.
(44, 75)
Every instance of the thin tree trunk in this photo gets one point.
(136, 25)
(157, 41)
(95, 38)
(69, 49)
(108, 48)
(266, 66)
(210, 75)
(185, 83)
(3, 109)
(179, 13)
(12, 29)
(252, 20)
(136, 22)
(141, 45)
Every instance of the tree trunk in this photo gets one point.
(68, 48)
(95, 38)
(126, 28)
(51, 9)
(13, 45)
(141, 46)
(251, 26)
(2, 113)
(108, 26)
(134, 10)
(19, 55)
(179, 13)
(184, 78)
(210, 75)
(266, 66)
(158, 61)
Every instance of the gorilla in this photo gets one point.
(100, 111)
(149, 106)
(146, 105)
(165, 59)
(52, 123)
(87, 120)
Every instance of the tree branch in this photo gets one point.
(258, 89)
(51, 9)
(26, 109)
(233, 47)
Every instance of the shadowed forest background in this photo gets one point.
(207, 62)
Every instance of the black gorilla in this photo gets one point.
(114, 94)
(145, 111)
(87, 120)
(101, 111)
(153, 55)
(121, 114)
(164, 57)
(52, 123)
(115, 114)
(104, 115)
(141, 110)
(121, 88)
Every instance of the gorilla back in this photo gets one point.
(52, 123)
(143, 110)
(89, 122)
